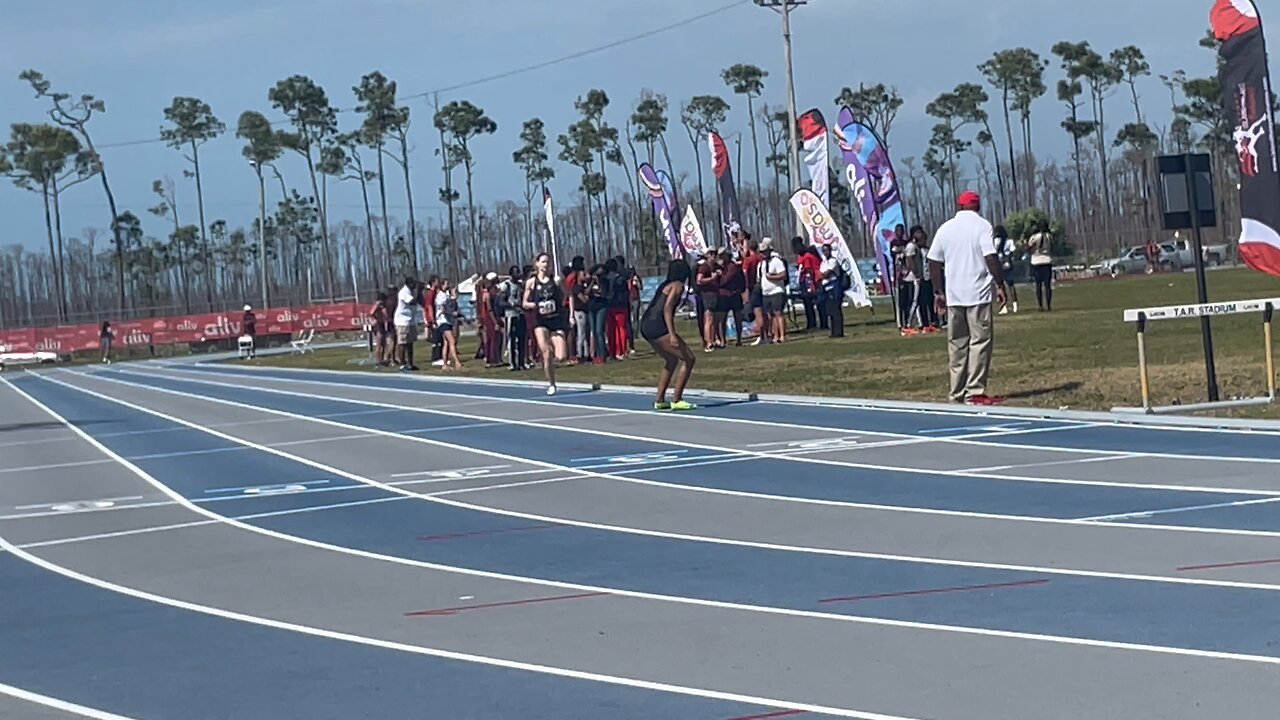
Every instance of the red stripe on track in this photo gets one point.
(938, 591)
(483, 533)
(766, 716)
(513, 603)
(1222, 566)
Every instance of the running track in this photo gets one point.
(213, 541)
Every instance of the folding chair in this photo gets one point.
(302, 345)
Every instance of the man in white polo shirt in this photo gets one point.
(966, 275)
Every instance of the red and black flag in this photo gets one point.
(1246, 96)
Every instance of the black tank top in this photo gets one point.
(654, 313)
(548, 297)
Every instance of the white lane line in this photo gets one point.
(794, 457)
(56, 704)
(1171, 511)
(434, 652)
(1175, 580)
(966, 429)
(1074, 461)
(453, 474)
(41, 506)
(52, 466)
(906, 439)
(277, 513)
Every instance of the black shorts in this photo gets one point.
(557, 323)
(731, 303)
(773, 304)
(756, 300)
(711, 302)
(653, 330)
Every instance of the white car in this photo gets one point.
(8, 358)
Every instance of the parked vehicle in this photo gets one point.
(9, 358)
(1182, 254)
(1134, 260)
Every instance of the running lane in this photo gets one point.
(549, 442)
(990, 429)
(149, 661)
(1105, 609)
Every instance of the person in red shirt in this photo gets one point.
(752, 297)
(707, 284)
(429, 314)
(733, 285)
(808, 265)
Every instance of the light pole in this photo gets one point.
(262, 232)
(783, 8)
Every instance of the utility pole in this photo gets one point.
(783, 8)
(262, 232)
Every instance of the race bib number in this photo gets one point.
(547, 307)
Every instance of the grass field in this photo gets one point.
(1081, 356)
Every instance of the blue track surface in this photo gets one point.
(1117, 610)
(778, 477)
(136, 658)
(1077, 435)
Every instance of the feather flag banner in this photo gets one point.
(551, 230)
(729, 217)
(862, 148)
(691, 237)
(822, 229)
(817, 153)
(651, 182)
(1247, 100)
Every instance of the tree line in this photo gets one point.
(1105, 196)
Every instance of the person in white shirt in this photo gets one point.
(407, 322)
(966, 276)
(773, 288)
(1006, 251)
(1041, 248)
(907, 265)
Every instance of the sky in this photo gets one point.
(137, 56)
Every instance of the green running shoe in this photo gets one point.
(681, 405)
(662, 406)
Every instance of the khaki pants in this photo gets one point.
(969, 339)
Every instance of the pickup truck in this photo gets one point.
(1180, 254)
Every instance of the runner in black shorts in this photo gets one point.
(545, 298)
(658, 327)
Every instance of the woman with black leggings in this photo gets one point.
(1041, 248)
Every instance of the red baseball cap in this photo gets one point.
(969, 197)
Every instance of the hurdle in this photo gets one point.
(1141, 317)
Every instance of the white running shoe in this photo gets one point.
(551, 389)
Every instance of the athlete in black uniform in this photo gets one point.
(658, 327)
(544, 296)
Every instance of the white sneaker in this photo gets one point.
(551, 390)
(1004, 311)
(438, 363)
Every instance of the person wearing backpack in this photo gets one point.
(835, 281)
(617, 296)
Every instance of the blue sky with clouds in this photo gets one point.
(138, 55)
